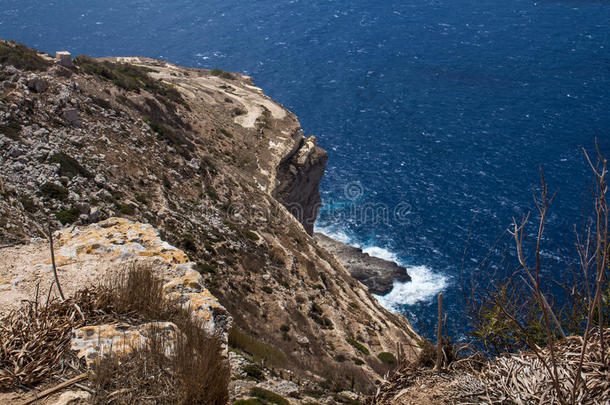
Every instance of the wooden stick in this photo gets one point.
(439, 333)
(50, 391)
(61, 293)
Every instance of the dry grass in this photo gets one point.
(196, 373)
(35, 345)
(523, 378)
(35, 339)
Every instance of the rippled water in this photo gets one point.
(436, 113)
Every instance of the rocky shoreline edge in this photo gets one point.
(376, 273)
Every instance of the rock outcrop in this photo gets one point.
(375, 273)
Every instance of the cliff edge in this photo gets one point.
(216, 167)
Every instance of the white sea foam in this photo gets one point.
(381, 253)
(424, 285)
(335, 234)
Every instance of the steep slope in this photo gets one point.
(210, 161)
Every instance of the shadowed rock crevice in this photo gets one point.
(298, 176)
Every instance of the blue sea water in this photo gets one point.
(436, 113)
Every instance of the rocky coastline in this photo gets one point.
(375, 273)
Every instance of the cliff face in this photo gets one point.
(298, 177)
(211, 162)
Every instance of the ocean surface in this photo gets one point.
(436, 113)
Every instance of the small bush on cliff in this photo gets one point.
(67, 216)
(238, 339)
(268, 396)
(358, 346)
(254, 371)
(222, 73)
(11, 129)
(387, 358)
(68, 166)
(54, 191)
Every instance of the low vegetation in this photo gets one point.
(128, 77)
(11, 129)
(21, 57)
(260, 351)
(36, 344)
(53, 191)
(358, 346)
(68, 166)
(222, 73)
(268, 396)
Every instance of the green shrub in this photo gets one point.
(250, 401)
(211, 192)
(317, 314)
(102, 102)
(54, 191)
(229, 224)
(254, 371)
(28, 204)
(22, 57)
(67, 216)
(252, 236)
(189, 244)
(206, 268)
(143, 198)
(358, 346)
(357, 361)
(267, 289)
(11, 129)
(68, 166)
(126, 209)
(226, 133)
(222, 73)
(268, 396)
(272, 356)
(387, 358)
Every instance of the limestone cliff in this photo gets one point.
(211, 162)
(299, 175)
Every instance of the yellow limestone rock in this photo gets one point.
(93, 342)
(115, 239)
(188, 291)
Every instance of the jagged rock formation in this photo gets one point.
(202, 157)
(299, 175)
(375, 273)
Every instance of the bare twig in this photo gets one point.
(58, 387)
(61, 293)
(439, 334)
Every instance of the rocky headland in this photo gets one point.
(128, 156)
